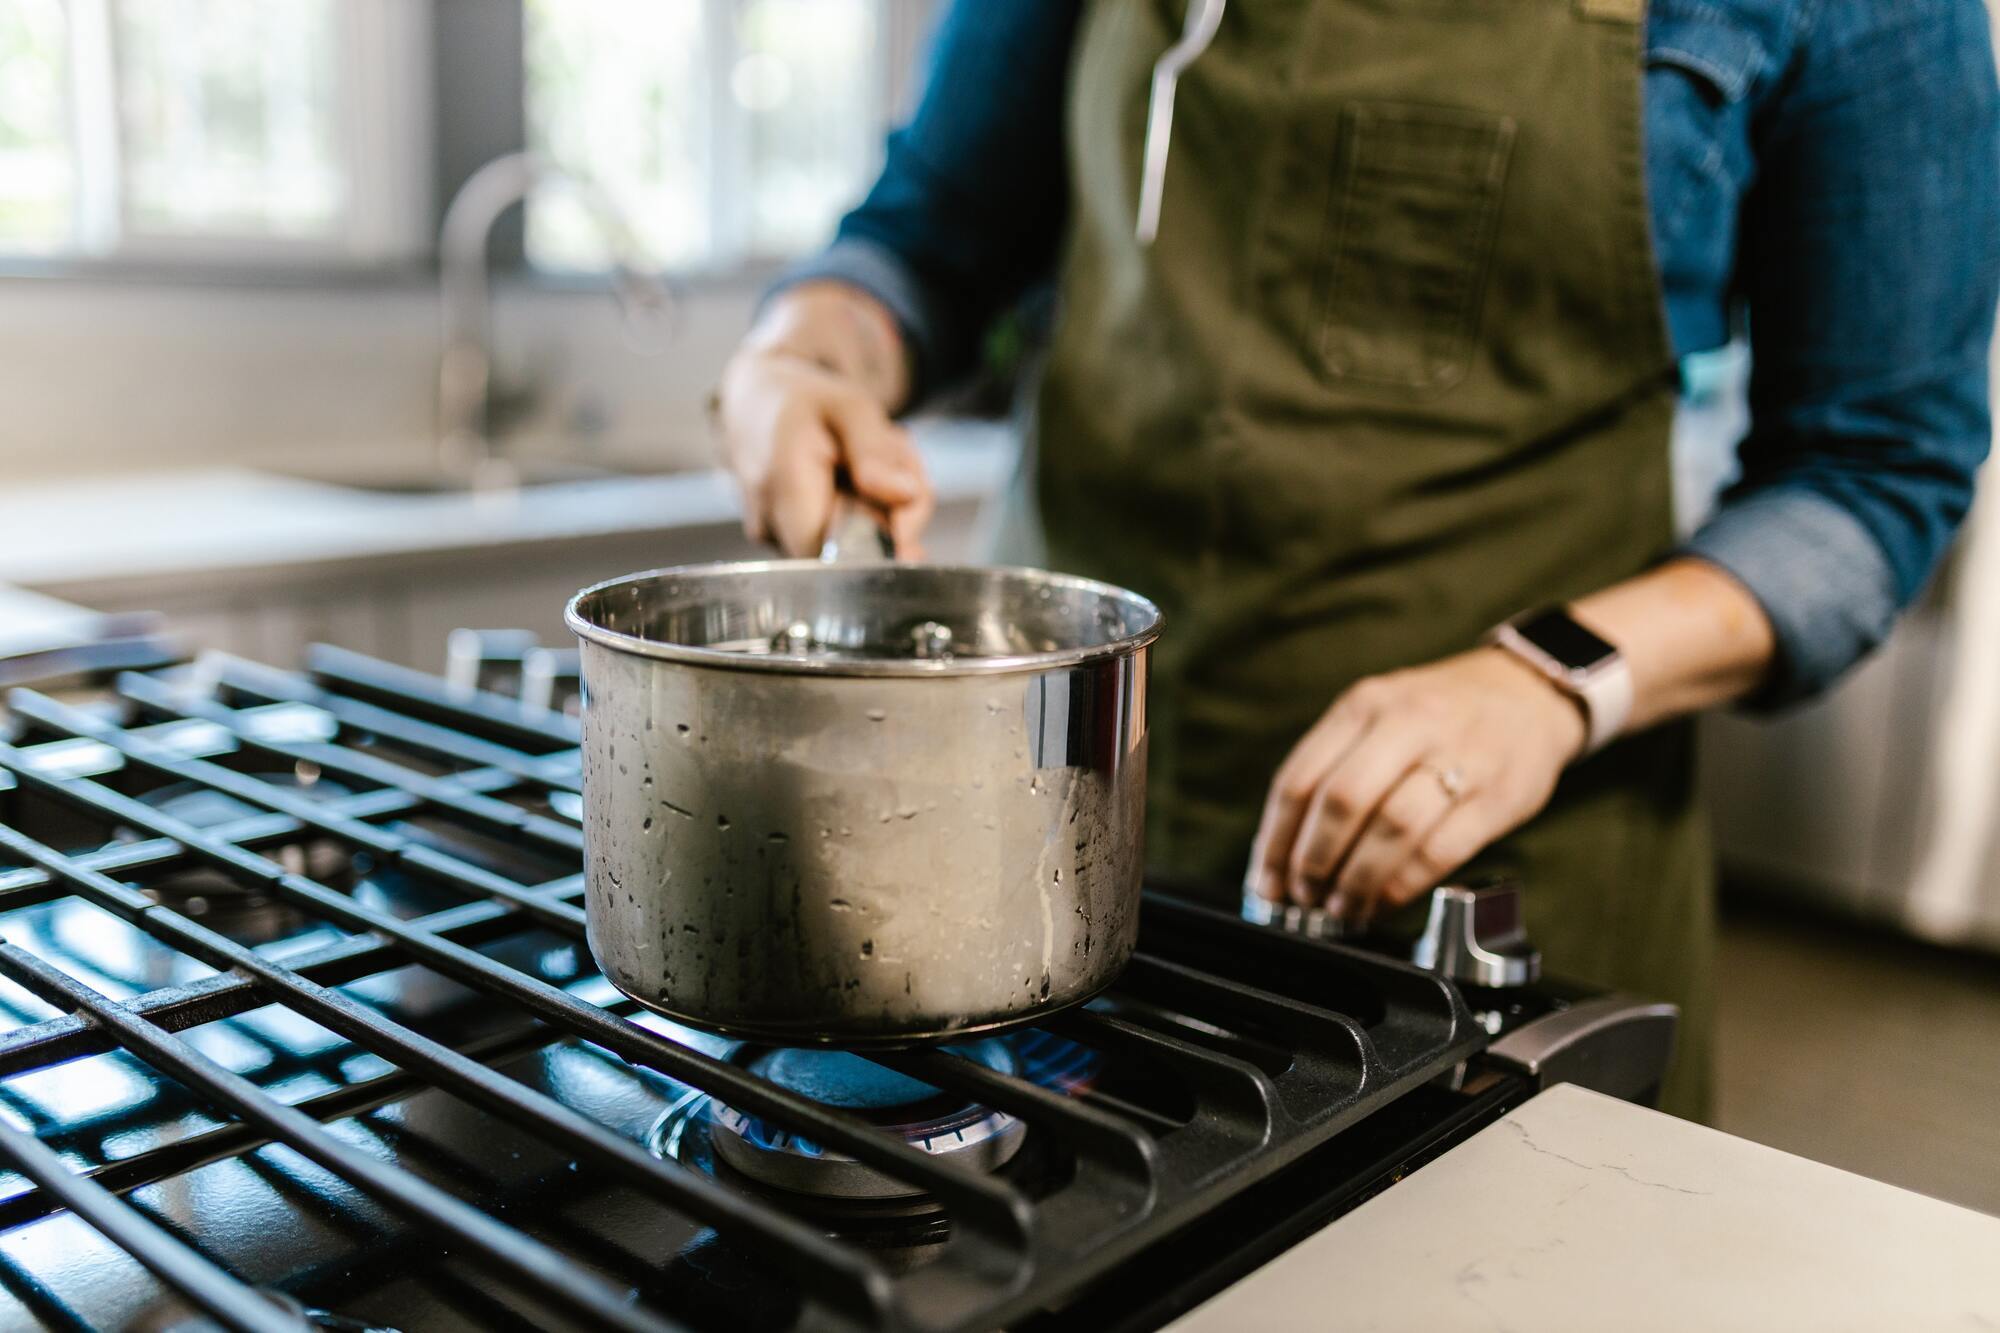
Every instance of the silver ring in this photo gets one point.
(1452, 780)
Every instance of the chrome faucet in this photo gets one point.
(467, 394)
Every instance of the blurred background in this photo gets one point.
(261, 375)
(233, 207)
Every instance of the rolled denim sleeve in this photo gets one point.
(1819, 574)
(1871, 276)
(968, 212)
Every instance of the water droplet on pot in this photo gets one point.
(877, 714)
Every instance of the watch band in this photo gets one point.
(1602, 687)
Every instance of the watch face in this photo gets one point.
(1556, 634)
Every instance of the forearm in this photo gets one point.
(1694, 638)
(968, 212)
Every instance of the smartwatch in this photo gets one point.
(1578, 663)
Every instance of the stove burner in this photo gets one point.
(927, 1118)
(1054, 1062)
(922, 1115)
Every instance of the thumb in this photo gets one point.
(882, 462)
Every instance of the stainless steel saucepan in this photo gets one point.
(861, 805)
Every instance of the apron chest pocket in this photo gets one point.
(1410, 226)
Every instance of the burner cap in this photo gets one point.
(927, 1118)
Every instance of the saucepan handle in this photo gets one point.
(857, 534)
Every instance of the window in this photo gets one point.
(725, 130)
(229, 123)
(37, 170)
(311, 131)
(216, 129)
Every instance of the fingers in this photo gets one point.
(908, 522)
(790, 428)
(881, 461)
(1349, 798)
(886, 470)
(796, 500)
(1292, 791)
(1455, 839)
(1393, 838)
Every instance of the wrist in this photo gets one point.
(1576, 662)
(1566, 719)
(1694, 636)
(842, 329)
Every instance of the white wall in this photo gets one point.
(96, 376)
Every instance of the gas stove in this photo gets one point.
(298, 1029)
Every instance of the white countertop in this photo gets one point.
(1581, 1212)
(69, 535)
(30, 622)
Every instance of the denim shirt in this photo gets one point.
(1825, 171)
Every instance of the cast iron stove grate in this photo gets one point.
(491, 1169)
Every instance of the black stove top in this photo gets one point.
(298, 1029)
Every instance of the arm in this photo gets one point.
(1871, 275)
(966, 215)
(969, 210)
(1361, 813)
(1870, 265)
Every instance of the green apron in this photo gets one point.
(1395, 369)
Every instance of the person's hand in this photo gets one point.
(803, 409)
(1407, 777)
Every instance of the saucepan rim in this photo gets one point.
(722, 659)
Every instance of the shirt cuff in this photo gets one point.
(1821, 577)
(881, 273)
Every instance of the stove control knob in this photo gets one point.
(1291, 918)
(1475, 936)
